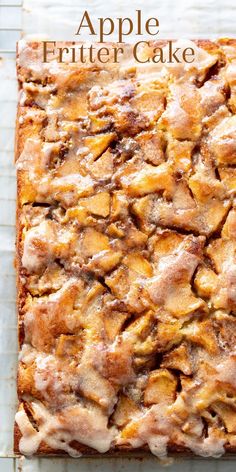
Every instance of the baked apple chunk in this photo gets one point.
(126, 254)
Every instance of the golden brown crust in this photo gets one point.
(145, 251)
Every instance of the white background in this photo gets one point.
(59, 19)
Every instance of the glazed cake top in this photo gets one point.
(126, 183)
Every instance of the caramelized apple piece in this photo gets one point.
(26, 383)
(98, 124)
(229, 228)
(142, 208)
(134, 238)
(161, 387)
(105, 262)
(98, 204)
(165, 243)
(151, 147)
(168, 334)
(78, 214)
(69, 345)
(52, 279)
(144, 331)
(222, 253)
(183, 114)
(44, 243)
(125, 411)
(93, 242)
(203, 334)
(149, 100)
(171, 287)
(148, 180)
(70, 108)
(205, 186)
(214, 213)
(119, 205)
(47, 317)
(115, 230)
(130, 430)
(227, 413)
(98, 144)
(113, 322)
(118, 282)
(179, 358)
(95, 387)
(179, 152)
(222, 141)
(102, 168)
(205, 282)
(139, 264)
(228, 177)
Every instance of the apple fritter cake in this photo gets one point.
(126, 243)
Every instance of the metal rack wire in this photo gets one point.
(7, 30)
(10, 32)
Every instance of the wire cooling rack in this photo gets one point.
(10, 32)
(10, 26)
